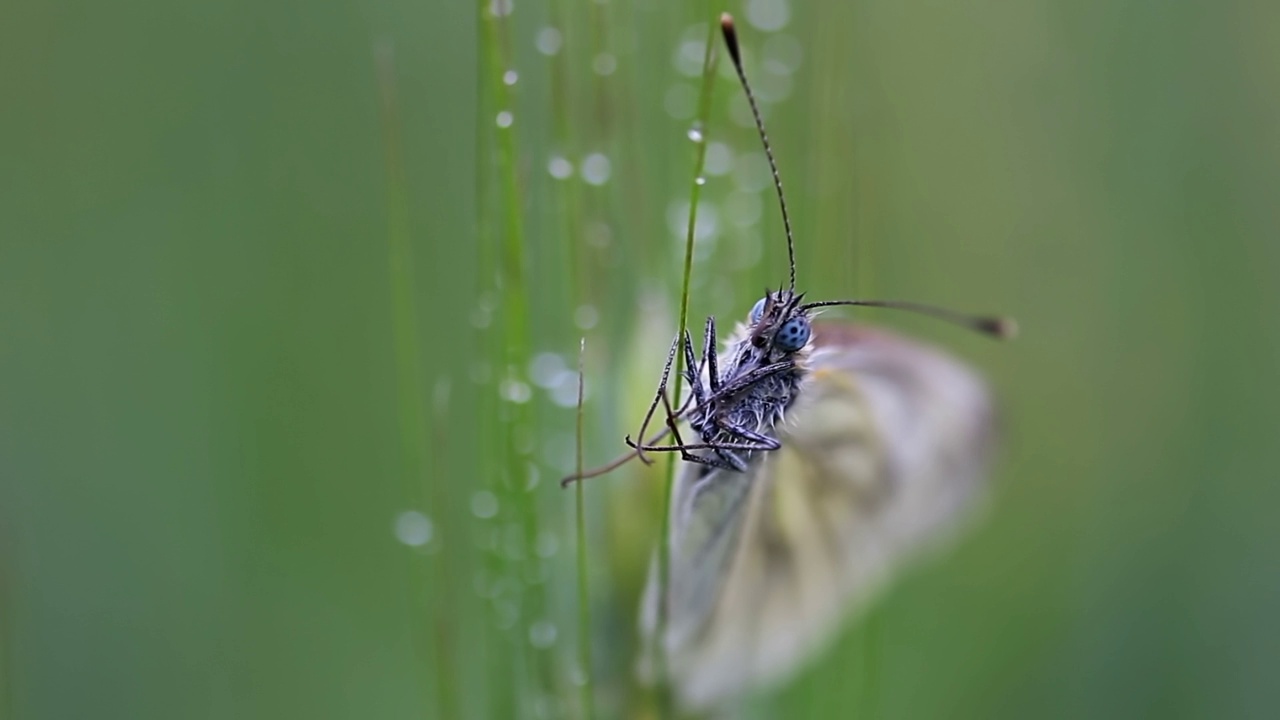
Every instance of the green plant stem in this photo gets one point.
(517, 504)
(409, 366)
(695, 192)
(584, 608)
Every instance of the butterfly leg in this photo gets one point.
(743, 382)
(700, 392)
(662, 389)
(723, 461)
(693, 371)
(709, 354)
(710, 360)
(762, 442)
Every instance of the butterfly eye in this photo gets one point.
(793, 335)
(757, 310)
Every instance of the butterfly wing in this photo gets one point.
(885, 444)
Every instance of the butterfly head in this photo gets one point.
(779, 325)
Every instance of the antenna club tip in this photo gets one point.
(730, 37)
(567, 481)
(1005, 328)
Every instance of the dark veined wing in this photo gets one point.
(883, 448)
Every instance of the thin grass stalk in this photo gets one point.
(570, 198)
(695, 192)
(586, 689)
(529, 676)
(409, 366)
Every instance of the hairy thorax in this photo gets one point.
(757, 407)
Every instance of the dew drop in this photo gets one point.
(542, 634)
(413, 528)
(564, 392)
(599, 235)
(604, 64)
(786, 50)
(484, 504)
(547, 544)
(768, 15)
(775, 82)
(695, 133)
(545, 368)
(751, 172)
(510, 77)
(559, 167)
(586, 317)
(440, 394)
(690, 51)
(548, 41)
(505, 119)
(500, 8)
(719, 160)
(515, 391)
(700, 180)
(596, 169)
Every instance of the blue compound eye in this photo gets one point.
(757, 310)
(793, 335)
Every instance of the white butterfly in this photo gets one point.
(885, 442)
(819, 459)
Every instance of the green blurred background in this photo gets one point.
(291, 295)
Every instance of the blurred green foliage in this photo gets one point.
(253, 311)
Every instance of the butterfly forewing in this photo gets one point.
(883, 447)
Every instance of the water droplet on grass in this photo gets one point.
(542, 634)
(545, 369)
(559, 167)
(413, 528)
(515, 391)
(596, 169)
(548, 41)
(604, 64)
(484, 504)
(768, 15)
(719, 160)
(547, 545)
(586, 317)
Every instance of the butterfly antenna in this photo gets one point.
(998, 327)
(731, 40)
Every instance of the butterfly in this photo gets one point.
(818, 457)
